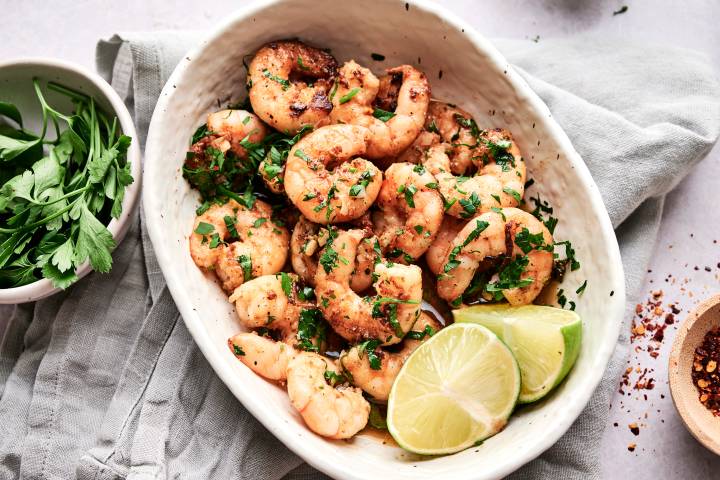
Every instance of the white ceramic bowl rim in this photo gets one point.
(575, 404)
(117, 227)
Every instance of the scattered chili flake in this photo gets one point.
(705, 374)
(632, 446)
(634, 428)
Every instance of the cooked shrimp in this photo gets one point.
(411, 211)
(238, 243)
(438, 250)
(498, 183)
(454, 127)
(234, 126)
(280, 92)
(323, 179)
(378, 382)
(272, 302)
(388, 315)
(353, 104)
(508, 232)
(308, 239)
(334, 412)
(262, 355)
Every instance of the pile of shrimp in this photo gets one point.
(385, 183)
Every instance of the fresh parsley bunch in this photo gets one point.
(57, 196)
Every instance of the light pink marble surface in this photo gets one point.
(69, 29)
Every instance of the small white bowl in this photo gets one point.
(16, 86)
(476, 77)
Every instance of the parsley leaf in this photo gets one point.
(246, 264)
(409, 193)
(348, 96)
(285, 83)
(470, 205)
(311, 330)
(509, 277)
(531, 241)
(382, 115)
(428, 331)
(369, 347)
(513, 193)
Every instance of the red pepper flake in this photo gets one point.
(631, 447)
(634, 428)
(705, 372)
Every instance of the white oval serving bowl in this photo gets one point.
(16, 86)
(476, 77)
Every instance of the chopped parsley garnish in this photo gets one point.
(326, 202)
(259, 222)
(285, 83)
(513, 193)
(419, 169)
(499, 211)
(581, 288)
(204, 207)
(301, 64)
(418, 228)
(409, 193)
(361, 184)
(569, 255)
(329, 257)
(238, 351)
(333, 90)
(470, 205)
(311, 326)
(531, 241)
(204, 228)
(333, 378)
(272, 170)
(480, 226)
(382, 115)
(230, 225)
(306, 293)
(246, 264)
(215, 240)
(432, 127)
(301, 155)
(309, 196)
(432, 185)
(348, 96)
(368, 347)
(286, 283)
(399, 252)
(509, 277)
(541, 207)
(428, 331)
(561, 298)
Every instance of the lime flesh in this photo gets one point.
(456, 389)
(545, 341)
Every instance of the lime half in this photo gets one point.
(544, 340)
(456, 389)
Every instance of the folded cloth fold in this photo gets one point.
(103, 381)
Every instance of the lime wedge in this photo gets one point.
(544, 340)
(457, 388)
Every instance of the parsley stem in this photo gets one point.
(231, 194)
(67, 195)
(43, 221)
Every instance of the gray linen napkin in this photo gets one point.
(103, 381)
